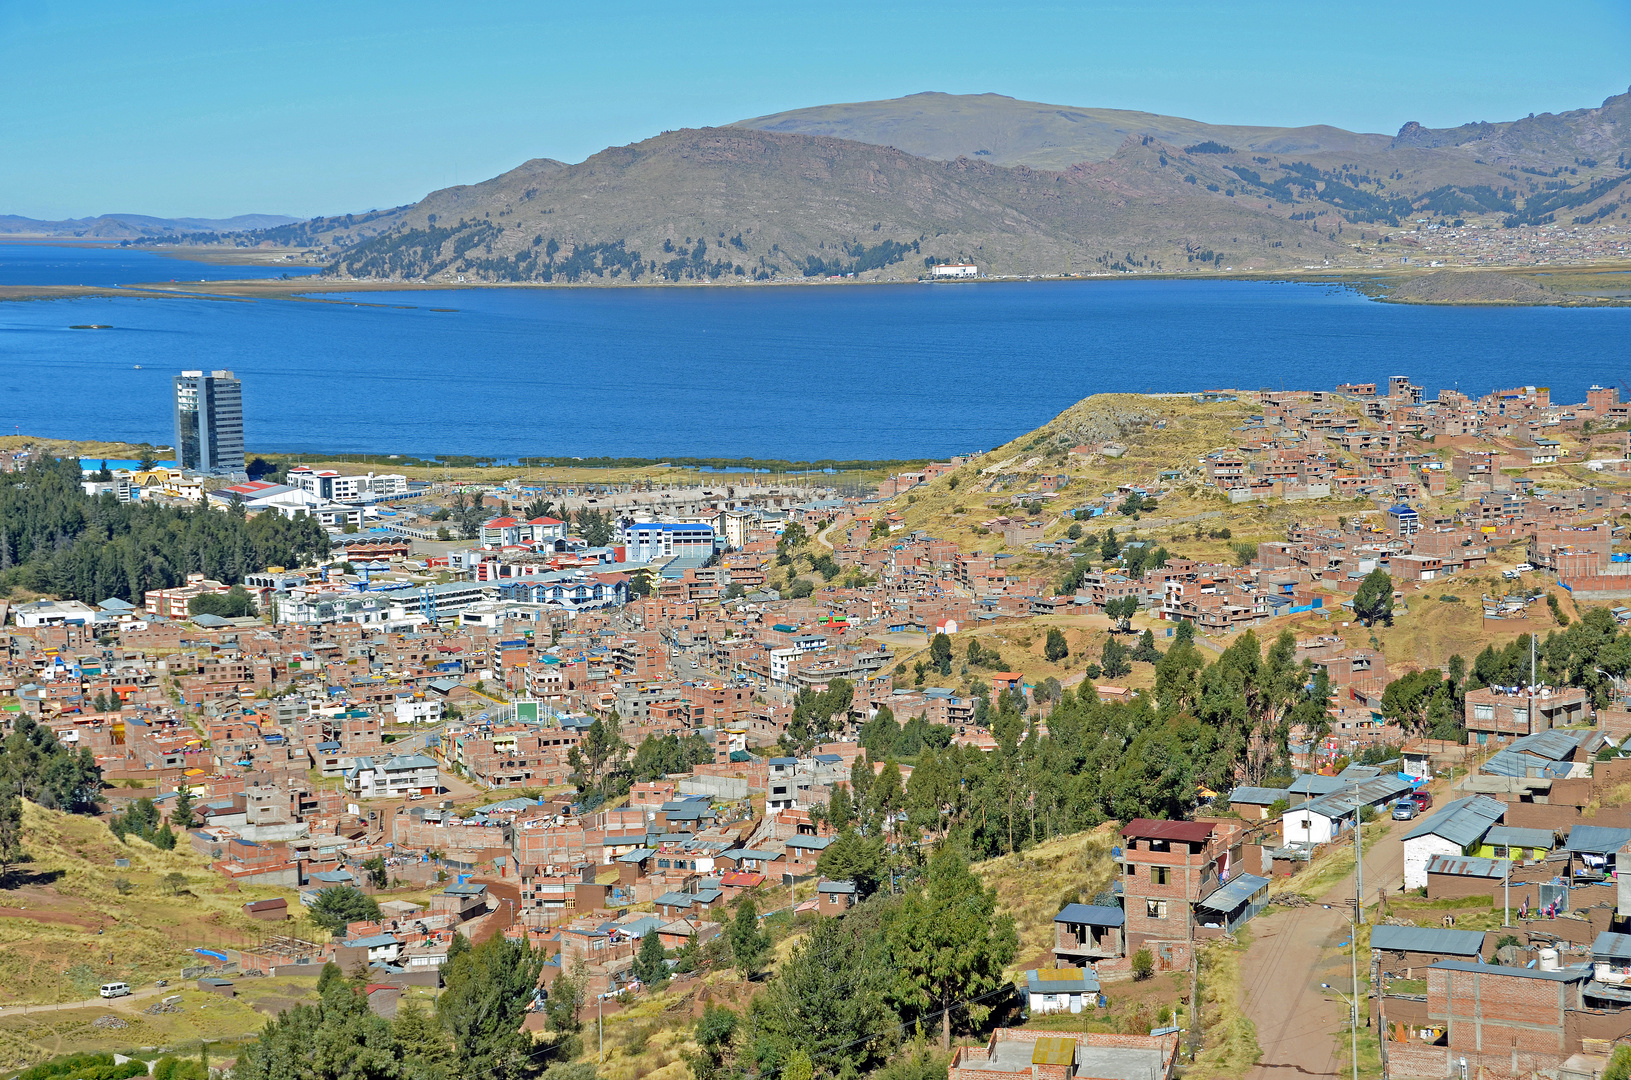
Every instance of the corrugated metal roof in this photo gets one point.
(1427, 939)
(1551, 744)
(1314, 784)
(1579, 973)
(1374, 792)
(1512, 836)
(1091, 915)
(1611, 946)
(1462, 866)
(1054, 1050)
(1235, 893)
(1258, 796)
(1597, 839)
(1463, 822)
(1062, 981)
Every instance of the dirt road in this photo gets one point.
(1294, 950)
(123, 1004)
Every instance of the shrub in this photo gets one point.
(1143, 964)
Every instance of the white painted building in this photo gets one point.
(1451, 831)
(412, 711)
(405, 774)
(957, 270)
(1323, 819)
(57, 613)
(330, 486)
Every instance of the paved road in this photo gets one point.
(1294, 950)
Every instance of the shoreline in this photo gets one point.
(1376, 283)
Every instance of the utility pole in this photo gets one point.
(1506, 892)
(1353, 962)
(1378, 989)
(1194, 983)
(1359, 870)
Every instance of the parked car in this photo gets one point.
(1524, 568)
(1404, 810)
(115, 989)
(1423, 799)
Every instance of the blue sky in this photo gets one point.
(212, 109)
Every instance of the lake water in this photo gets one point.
(50, 264)
(797, 373)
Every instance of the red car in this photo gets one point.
(1423, 799)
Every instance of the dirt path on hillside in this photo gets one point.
(1292, 952)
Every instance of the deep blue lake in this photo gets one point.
(788, 372)
(48, 264)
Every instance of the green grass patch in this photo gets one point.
(1230, 1048)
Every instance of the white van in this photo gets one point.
(113, 990)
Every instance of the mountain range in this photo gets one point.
(130, 226)
(883, 189)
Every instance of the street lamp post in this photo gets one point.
(1353, 1009)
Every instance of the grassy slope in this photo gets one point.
(790, 197)
(1006, 131)
(1426, 630)
(147, 933)
(1034, 884)
(1115, 188)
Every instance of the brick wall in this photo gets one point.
(1487, 1011)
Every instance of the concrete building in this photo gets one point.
(403, 775)
(650, 541)
(1505, 711)
(209, 422)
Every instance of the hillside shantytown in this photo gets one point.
(605, 720)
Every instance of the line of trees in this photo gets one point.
(1591, 654)
(475, 1030)
(34, 765)
(56, 539)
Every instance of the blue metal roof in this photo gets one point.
(1597, 839)
(1314, 784)
(1258, 796)
(1552, 744)
(1427, 939)
(1091, 915)
(1234, 894)
(1513, 836)
(1083, 981)
(1463, 822)
(1611, 946)
(819, 843)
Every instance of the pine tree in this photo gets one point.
(650, 965)
(748, 943)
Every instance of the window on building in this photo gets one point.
(1483, 712)
(1155, 909)
(1160, 875)
(1500, 851)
